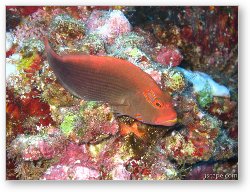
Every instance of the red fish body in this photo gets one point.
(123, 85)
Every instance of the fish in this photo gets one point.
(125, 87)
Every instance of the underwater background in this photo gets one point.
(190, 52)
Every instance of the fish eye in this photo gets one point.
(157, 104)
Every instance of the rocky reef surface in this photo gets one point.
(191, 52)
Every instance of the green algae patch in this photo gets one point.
(91, 104)
(205, 97)
(26, 62)
(67, 125)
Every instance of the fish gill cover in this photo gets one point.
(121, 93)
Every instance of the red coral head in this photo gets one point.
(169, 56)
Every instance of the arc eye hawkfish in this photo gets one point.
(128, 89)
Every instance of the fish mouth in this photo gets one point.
(169, 122)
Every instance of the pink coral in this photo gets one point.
(156, 75)
(96, 19)
(35, 147)
(120, 173)
(31, 153)
(27, 29)
(169, 56)
(63, 172)
(46, 149)
(75, 163)
(109, 25)
(58, 172)
(84, 173)
(35, 25)
(97, 129)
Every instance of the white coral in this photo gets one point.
(200, 80)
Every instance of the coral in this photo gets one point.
(135, 53)
(34, 26)
(173, 81)
(204, 96)
(149, 38)
(131, 156)
(135, 56)
(55, 94)
(127, 129)
(25, 114)
(156, 75)
(29, 63)
(169, 56)
(95, 20)
(51, 90)
(215, 40)
(120, 173)
(223, 108)
(226, 147)
(126, 40)
(9, 41)
(92, 123)
(198, 140)
(53, 135)
(68, 123)
(207, 37)
(29, 170)
(31, 148)
(11, 51)
(75, 163)
(65, 30)
(132, 47)
(32, 45)
(153, 165)
(23, 10)
(29, 106)
(100, 123)
(11, 61)
(92, 44)
(84, 13)
(168, 37)
(109, 25)
(199, 172)
(141, 132)
(198, 145)
(201, 81)
(138, 168)
(60, 172)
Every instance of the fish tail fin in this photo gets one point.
(51, 54)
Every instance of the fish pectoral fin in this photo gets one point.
(119, 108)
(118, 104)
